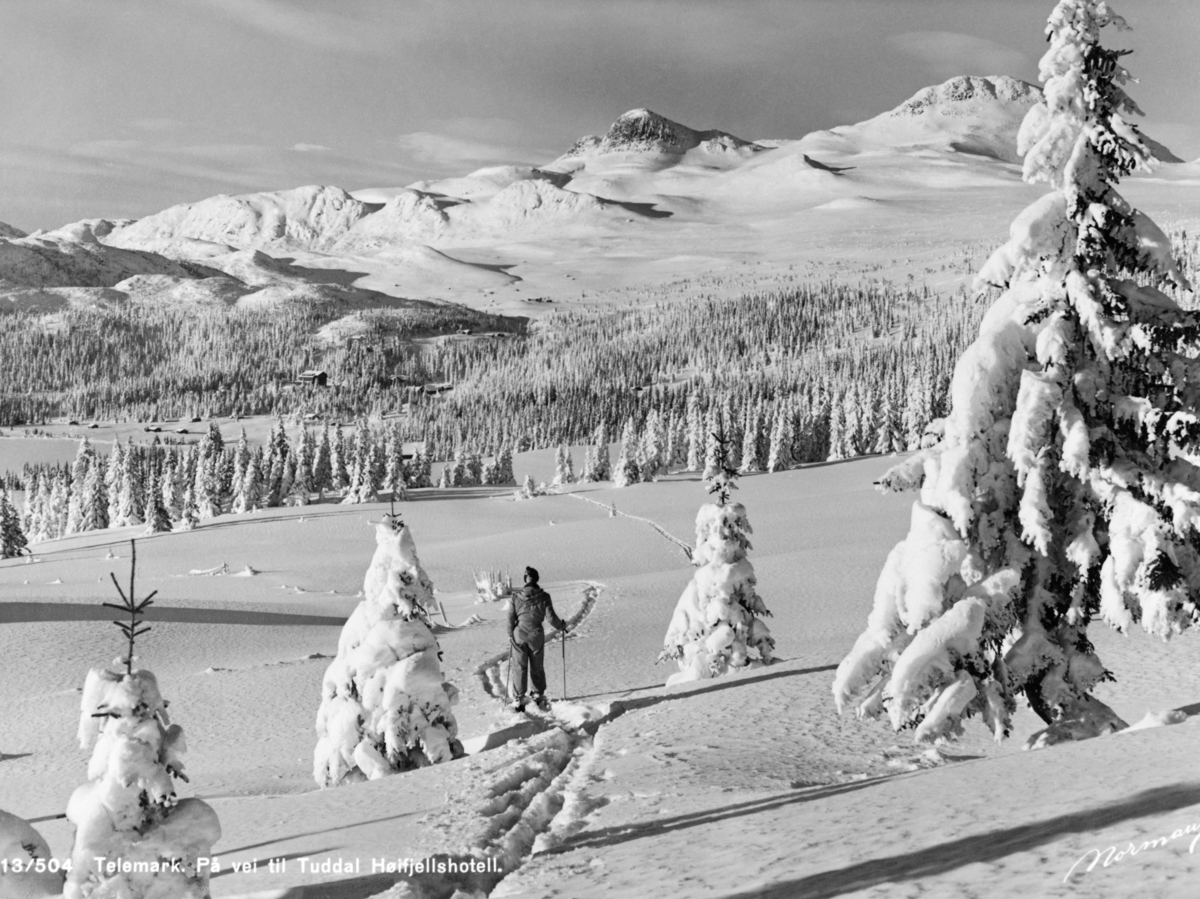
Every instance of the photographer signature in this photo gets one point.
(1112, 855)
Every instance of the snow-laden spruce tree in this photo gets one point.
(783, 435)
(564, 466)
(718, 620)
(13, 542)
(626, 471)
(384, 704)
(155, 513)
(134, 838)
(1066, 483)
(599, 466)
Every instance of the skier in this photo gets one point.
(529, 606)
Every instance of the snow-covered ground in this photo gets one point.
(748, 785)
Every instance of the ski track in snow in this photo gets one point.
(535, 803)
(686, 547)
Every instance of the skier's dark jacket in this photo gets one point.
(529, 606)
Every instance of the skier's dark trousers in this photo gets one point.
(525, 615)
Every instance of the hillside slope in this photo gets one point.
(750, 785)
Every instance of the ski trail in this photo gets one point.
(493, 672)
(686, 547)
(533, 802)
(516, 809)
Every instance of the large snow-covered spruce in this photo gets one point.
(1066, 484)
(27, 869)
(134, 838)
(384, 705)
(717, 625)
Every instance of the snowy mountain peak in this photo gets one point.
(645, 131)
(313, 216)
(966, 93)
(967, 114)
(641, 126)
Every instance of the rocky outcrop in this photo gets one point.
(643, 131)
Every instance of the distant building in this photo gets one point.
(314, 377)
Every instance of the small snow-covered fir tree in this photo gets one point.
(384, 704)
(652, 448)
(474, 469)
(783, 435)
(918, 409)
(189, 515)
(301, 489)
(423, 467)
(322, 467)
(625, 472)
(564, 467)
(1066, 485)
(155, 513)
(601, 468)
(114, 478)
(839, 437)
(29, 485)
(696, 434)
(718, 623)
(394, 476)
(490, 473)
(362, 487)
(274, 466)
(589, 465)
(458, 468)
(77, 517)
(528, 489)
(249, 497)
(714, 440)
(128, 819)
(169, 488)
(241, 458)
(56, 513)
(339, 477)
(751, 445)
(886, 431)
(13, 542)
(39, 511)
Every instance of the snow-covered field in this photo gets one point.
(745, 786)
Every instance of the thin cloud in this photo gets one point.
(317, 28)
(311, 148)
(949, 53)
(104, 149)
(445, 150)
(158, 125)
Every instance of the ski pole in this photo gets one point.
(508, 680)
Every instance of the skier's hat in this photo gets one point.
(531, 574)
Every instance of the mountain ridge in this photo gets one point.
(649, 191)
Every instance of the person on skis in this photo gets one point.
(528, 608)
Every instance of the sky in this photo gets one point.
(120, 108)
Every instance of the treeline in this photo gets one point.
(168, 487)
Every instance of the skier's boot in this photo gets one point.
(542, 702)
(518, 704)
